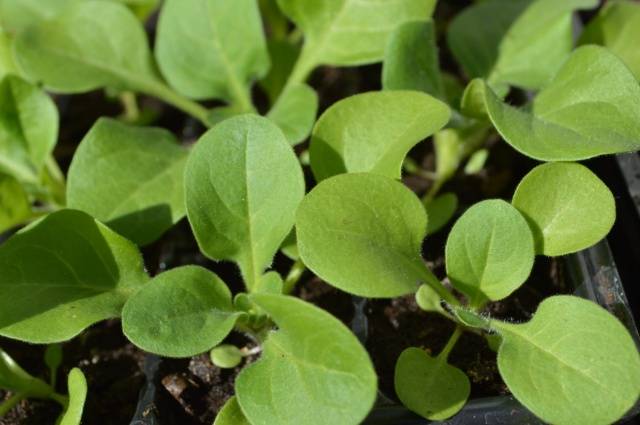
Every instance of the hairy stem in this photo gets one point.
(437, 286)
(457, 333)
(294, 275)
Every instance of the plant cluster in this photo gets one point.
(78, 259)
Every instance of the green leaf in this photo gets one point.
(243, 185)
(130, 178)
(411, 60)
(271, 283)
(313, 370)
(283, 56)
(573, 363)
(79, 50)
(77, 384)
(567, 206)
(231, 414)
(14, 378)
(53, 357)
(489, 252)
(476, 161)
(440, 210)
(349, 32)
(17, 15)
(15, 207)
(430, 386)
(290, 246)
(373, 132)
(7, 61)
(363, 234)
(617, 27)
(295, 113)
(62, 274)
(428, 299)
(155, 322)
(591, 108)
(211, 48)
(226, 356)
(28, 129)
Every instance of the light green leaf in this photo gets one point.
(591, 108)
(14, 378)
(243, 185)
(567, 206)
(28, 128)
(349, 32)
(226, 356)
(313, 370)
(62, 274)
(15, 207)
(231, 414)
(155, 322)
(79, 50)
(363, 233)
(77, 384)
(290, 246)
(428, 299)
(130, 178)
(617, 27)
(440, 210)
(476, 161)
(430, 386)
(211, 48)
(489, 252)
(295, 113)
(271, 283)
(411, 60)
(373, 132)
(573, 363)
(7, 61)
(17, 15)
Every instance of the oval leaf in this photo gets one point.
(440, 210)
(373, 132)
(578, 115)
(15, 207)
(231, 414)
(155, 322)
(77, 384)
(363, 234)
(430, 386)
(211, 48)
(567, 206)
(242, 211)
(81, 271)
(130, 178)
(572, 363)
(313, 370)
(295, 113)
(489, 252)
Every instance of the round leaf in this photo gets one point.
(373, 132)
(430, 386)
(226, 356)
(62, 274)
(363, 234)
(130, 178)
(573, 363)
(243, 185)
(567, 206)
(203, 317)
(313, 370)
(489, 252)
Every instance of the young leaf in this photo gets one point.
(62, 274)
(363, 234)
(440, 211)
(373, 132)
(16, 379)
(244, 210)
(429, 300)
(349, 32)
(429, 386)
(231, 414)
(17, 15)
(295, 113)
(313, 370)
(589, 109)
(28, 128)
(617, 27)
(212, 48)
(15, 207)
(77, 384)
(155, 322)
(78, 51)
(411, 60)
(226, 356)
(489, 252)
(130, 178)
(572, 363)
(567, 206)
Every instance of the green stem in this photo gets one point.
(11, 402)
(60, 399)
(192, 108)
(294, 275)
(131, 111)
(444, 354)
(437, 286)
(301, 70)
(433, 190)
